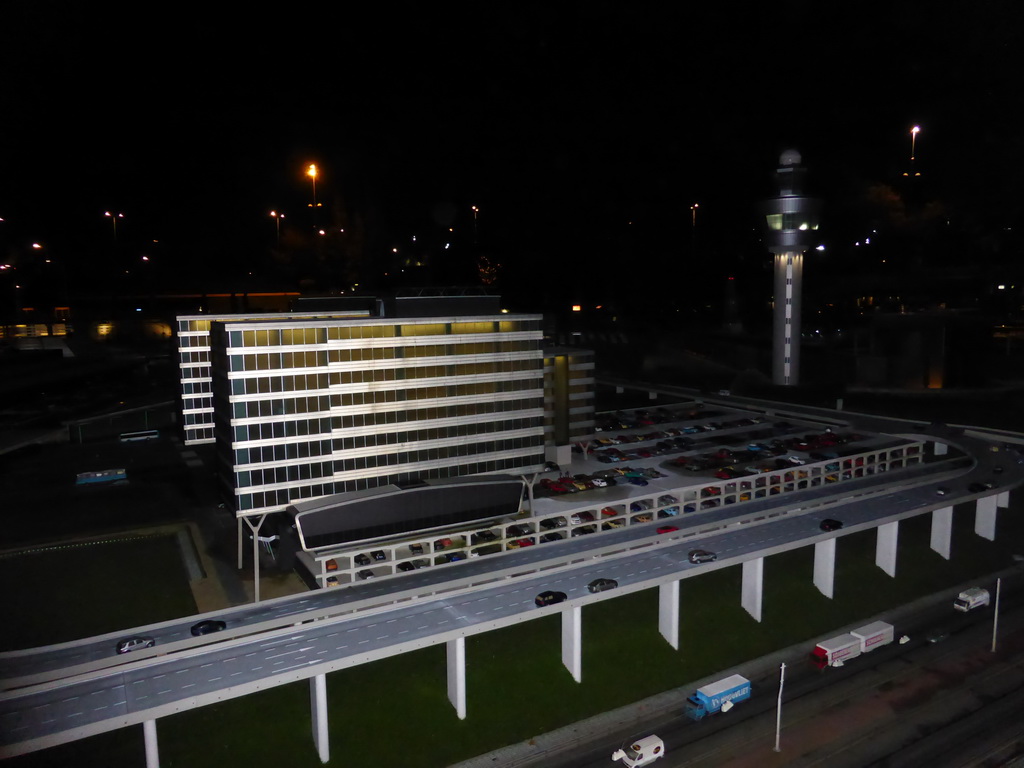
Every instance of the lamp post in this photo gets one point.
(693, 228)
(913, 140)
(312, 173)
(277, 220)
(113, 220)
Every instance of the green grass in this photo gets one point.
(84, 596)
(395, 712)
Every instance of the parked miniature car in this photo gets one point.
(552, 522)
(405, 565)
(362, 559)
(602, 585)
(208, 626)
(367, 574)
(702, 556)
(332, 565)
(549, 597)
(135, 643)
(379, 555)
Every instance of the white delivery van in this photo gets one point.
(641, 752)
(975, 597)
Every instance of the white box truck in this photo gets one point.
(836, 650)
(972, 598)
(641, 752)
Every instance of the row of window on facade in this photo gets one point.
(313, 470)
(286, 451)
(323, 404)
(325, 425)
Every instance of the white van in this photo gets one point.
(975, 597)
(641, 752)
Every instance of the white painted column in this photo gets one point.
(985, 517)
(940, 448)
(885, 547)
(825, 566)
(942, 530)
(457, 675)
(1003, 499)
(572, 641)
(668, 612)
(152, 749)
(753, 587)
(318, 714)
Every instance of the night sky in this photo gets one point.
(583, 131)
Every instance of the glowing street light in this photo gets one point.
(312, 173)
(913, 140)
(693, 210)
(113, 220)
(277, 220)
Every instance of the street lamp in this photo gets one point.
(913, 140)
(113, 220)
(312, 172)
(277, 220)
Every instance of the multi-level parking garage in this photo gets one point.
(61, 693)
(646, 467)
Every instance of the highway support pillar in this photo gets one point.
(572, 641)
(985, 517)
(668, 612)
(885, 547)
(255, 555)
(1003, 499)
(825, 566)
(753, 587)
(940, 449)
(318, 710)
(942, 530)
(457, 675)
(152, 749)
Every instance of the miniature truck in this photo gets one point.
(641, 752)
(975, 597)
(718, 696)
(835, 651)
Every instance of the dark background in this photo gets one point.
(584, 131)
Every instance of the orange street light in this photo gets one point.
(312, 173)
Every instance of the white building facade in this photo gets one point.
(309, 407)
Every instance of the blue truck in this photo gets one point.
(717, 697)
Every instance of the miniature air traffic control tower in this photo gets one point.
(791, 220)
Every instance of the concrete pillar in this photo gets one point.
(457, 675)
(753, 587)
(885, 547)
(942, 530)
(940, 449)
(825, 566)
(572, 641)
(238, 534)
(985, 517)
(1003, 499)
(318, 713)
(152, 750)
(668, 612)
(255, 529)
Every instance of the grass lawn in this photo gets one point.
(83, 596)
(396, 713)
